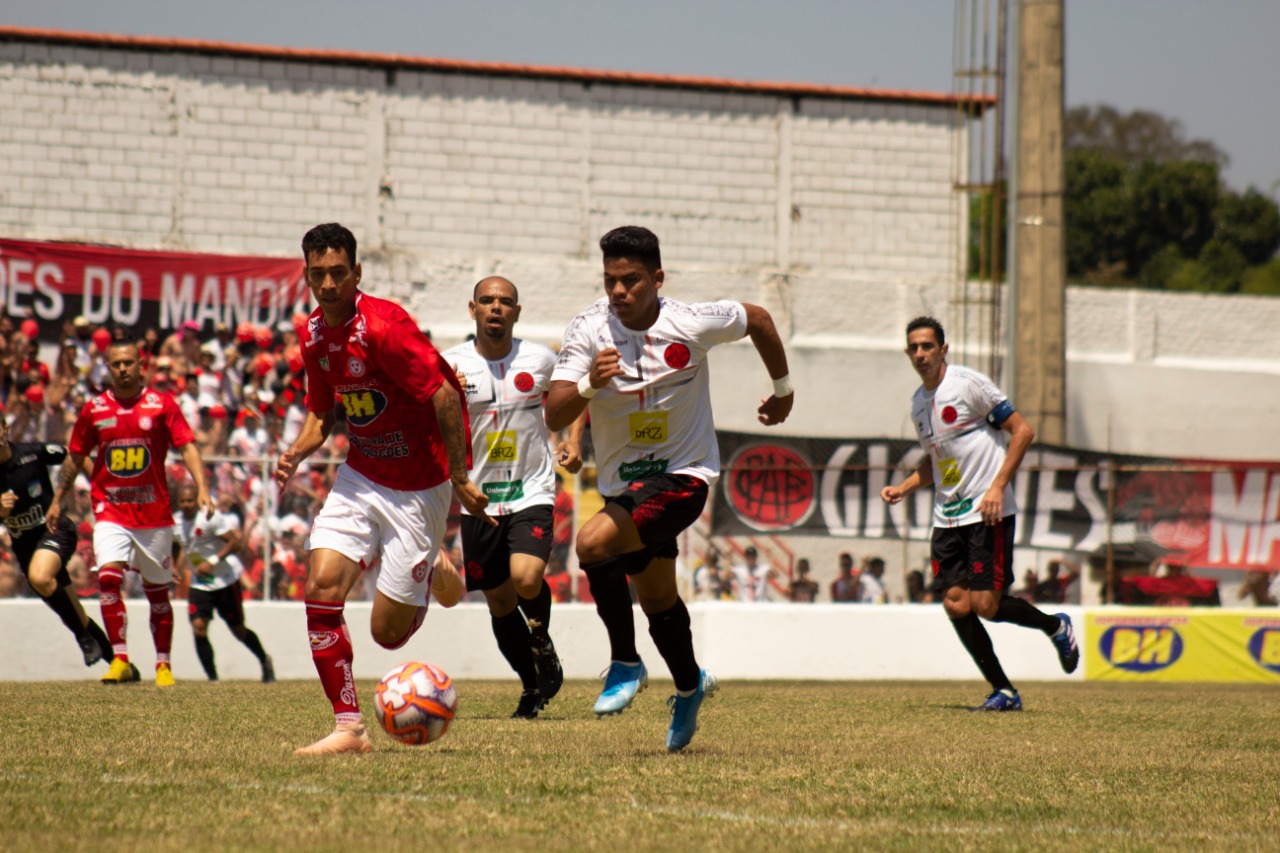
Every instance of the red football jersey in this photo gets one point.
(384, 371)
(133, 438)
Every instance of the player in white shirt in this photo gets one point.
(974, 442)
(505, 379)
(206, 545)
(641, 361)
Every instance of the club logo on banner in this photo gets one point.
(1220, 514)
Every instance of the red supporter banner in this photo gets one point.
(53, 282)
(1206, 513)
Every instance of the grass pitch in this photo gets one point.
(780, 766)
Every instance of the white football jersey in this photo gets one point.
(201, 539)
(966, 449)
(511, 455)
(656, 418)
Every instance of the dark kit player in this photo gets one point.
(26, 493)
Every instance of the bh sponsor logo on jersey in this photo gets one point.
(524, 382)
(676, 356)
(648, 427)
(1141, 648)
(501, 446)
(1264, 647)
(363, 406)
(128, 460)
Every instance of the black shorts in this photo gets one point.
(487, 550)
(228, 601)
(662, 507)
(61, 541)
(976, 556)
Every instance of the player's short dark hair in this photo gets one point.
(924, 322)
(634, 242)
(846, 557)
(126, 341)
(875, 563)
(330, 235)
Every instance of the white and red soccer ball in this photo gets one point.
(415, 703)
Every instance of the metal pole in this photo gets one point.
(1009, 373)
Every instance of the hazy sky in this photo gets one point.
(1214, 65)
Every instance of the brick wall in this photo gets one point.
(834, 212)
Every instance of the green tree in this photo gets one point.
(1136, 137)
(1170, 203)
(1250, 223)
(1097, 211)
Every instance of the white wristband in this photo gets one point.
(782, 387)
(585, 389)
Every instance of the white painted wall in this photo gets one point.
(736, 641)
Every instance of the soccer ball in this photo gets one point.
(415, 703)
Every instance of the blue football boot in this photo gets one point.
(684, 712)
(1001, 701)
(621, 684)
(1065, 642)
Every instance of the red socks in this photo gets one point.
(114, 617)
(332, 654)
(161, 619)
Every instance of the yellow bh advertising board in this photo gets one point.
(1182, 644)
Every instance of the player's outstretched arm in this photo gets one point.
(448, 406)
(315, 431)
(569, 452)
(66, 479)
(566, 401)
(191, 458)
(775, 408)
(920, 478)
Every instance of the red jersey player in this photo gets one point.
(409, 442)
(132, 428)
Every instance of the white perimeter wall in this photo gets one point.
(836, 214)
(735, 641)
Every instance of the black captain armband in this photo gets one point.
(997, 416)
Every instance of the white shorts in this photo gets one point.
(365, 522)
(146, 550)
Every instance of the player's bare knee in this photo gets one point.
(501, 600)
(200, 627)
(956, 608)
(44, 586)
(985, 609)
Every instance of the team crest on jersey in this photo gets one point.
(676, 356)
(524, 382)
(35, 489)
(324, 362)
(949, 414)
(144, 422)
(128, 460)
(363, 406)
(355, 366)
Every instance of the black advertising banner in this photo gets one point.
(1223, 514)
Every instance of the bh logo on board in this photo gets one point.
(1141, 648)
(1264, 647)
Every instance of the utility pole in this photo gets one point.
(1039, 277)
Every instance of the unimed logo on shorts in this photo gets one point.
(1141, 648)
(128, 460)
(770, 487)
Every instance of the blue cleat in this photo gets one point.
(622, 681)
(1001, 701)
(1065, 642)
(684, 712)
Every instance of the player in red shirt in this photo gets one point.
(132, 427)
(410, 441)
